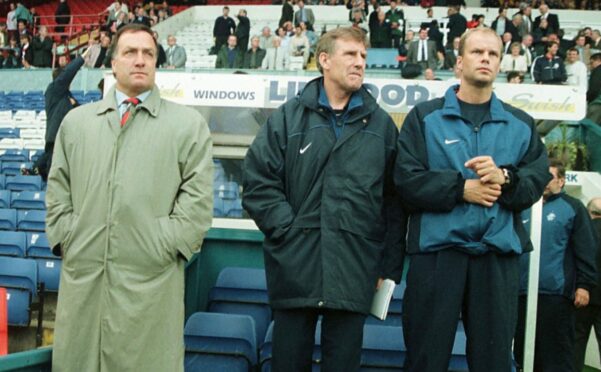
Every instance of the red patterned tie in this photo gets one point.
(131, 102)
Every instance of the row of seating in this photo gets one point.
(22, 220)
(22, 183)
(13, 168)
(22, 199)
(20, 278)
(20, 155)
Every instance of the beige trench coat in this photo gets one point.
(127, 207)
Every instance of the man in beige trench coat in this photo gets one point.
(127, 206)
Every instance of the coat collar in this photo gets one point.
(151, 104)
(452, 108)
(309, 96)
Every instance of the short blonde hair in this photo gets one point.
(472, 31)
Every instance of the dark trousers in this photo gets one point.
(586, 318)
(219, 41)
(440, 286)
(294, 337)
(554, 345)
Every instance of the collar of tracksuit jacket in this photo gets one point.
(361, 104)
(453, 109)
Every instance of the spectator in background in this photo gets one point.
(514, 61)
(457, 23)
(299, 46)
(284, 38)
(552, 19)
(154, 19)
(120, 22)
(549, 68)
(8, 59)
(277, 57)
(567, 274)
(527, 25)
(266, 38)
(3, 35)
(176, 54)
(380, 36)
(527, 49)
(223, 28)
(35, 18)
(161, 56)
(41, 47)
(62, 16)
(515, 77)
(500, 23)
(117, 6)
(253, 58)
(584, 50)
(304, 14)
(541, 35)
(473, 23)
(162, 16)
(229, 56)
(104, 59)
(243, 31)
(423, 52)
(596, 40)
(514, 27)
(16, 49)
(429, 75)
(358, 21)
(287, 13)
(451, 54)
(23, 14)
(11, 21)
(373, 16)
(590, 316)
(141, 17)
(404, 47)
(593, 94)
(311, 36)
(396, 18)
(167, 9)
(26, 57)
(576, 70)
(436, 36)
(506, 39)
(22, 29)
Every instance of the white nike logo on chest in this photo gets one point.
(302, 151)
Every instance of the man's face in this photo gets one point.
(553, 49)
(543, 9)
(481, 58)
(517, 20)
(266, 31)
(281, 32)
(429, 74)
(345, 66)
(171, 41)
(140, 12)
(595, 63)
(134, 63)
(105, 42)
(43, 32)
(301, 4)
(572, 56)
(381, 16)
(226, 12)
(423, 34)
(409, 36)
(595, 35)
(393, 5)
(527, 40)
(254, 43)
(555, 185)
(62, 61)
(506, 37)
(528, 11)
(232, 41)
(580, 40)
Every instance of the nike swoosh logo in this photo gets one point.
(448, 142)
(302, 151)
(525, 221)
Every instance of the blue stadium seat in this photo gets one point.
(394, 317)
(35, 155)
(2, 181)
(13, 243)
(218, 207)
(220, 342)
(227, 190)
(38, 246)
(9, 133)
(14, 155)
(12, 168)
(383, 348)
(458, 362)
(8, 219)
(382, 58)
(28, 200)
(233, 208)
(240, 290)
(19, 277)
(31, 220)
(219, 172)
(5, 198)
(24, 183)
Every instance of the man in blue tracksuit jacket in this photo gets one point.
(567, 275)
(467, 165)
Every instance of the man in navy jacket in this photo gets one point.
(467, 165)
(567, 275)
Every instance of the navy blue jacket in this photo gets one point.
(434, 144)
(568, 248)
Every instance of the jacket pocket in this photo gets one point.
(70, 232)
(371, 231)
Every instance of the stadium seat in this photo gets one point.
(218, 207)
(8, 219)
(35, 155)
(19, 277)
(9, 133)
(28, 200)
(31, 220)
(38, 246)
(220, 342)
(13, 243)
(14, 155)
(5, 199)
(2, 181)
(458, 362)
(233, 208)
(24, 183)
(383, 348)
(240, 290)
(11, 168)
(227, 190)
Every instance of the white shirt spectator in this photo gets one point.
(11, 21)
(514, 63)
(577, 75)
(277, 57)
(299, 46)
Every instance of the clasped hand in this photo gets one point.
(487, 189)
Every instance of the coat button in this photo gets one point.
(320, 303)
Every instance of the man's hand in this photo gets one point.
(485, 194)
(380, 280)
(485, 168)
(581, 298)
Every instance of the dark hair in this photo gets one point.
(559, 165)
(513, 74)
(130, 28)
(572, 49)
(549, 45)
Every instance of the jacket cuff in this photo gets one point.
(460, 188)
